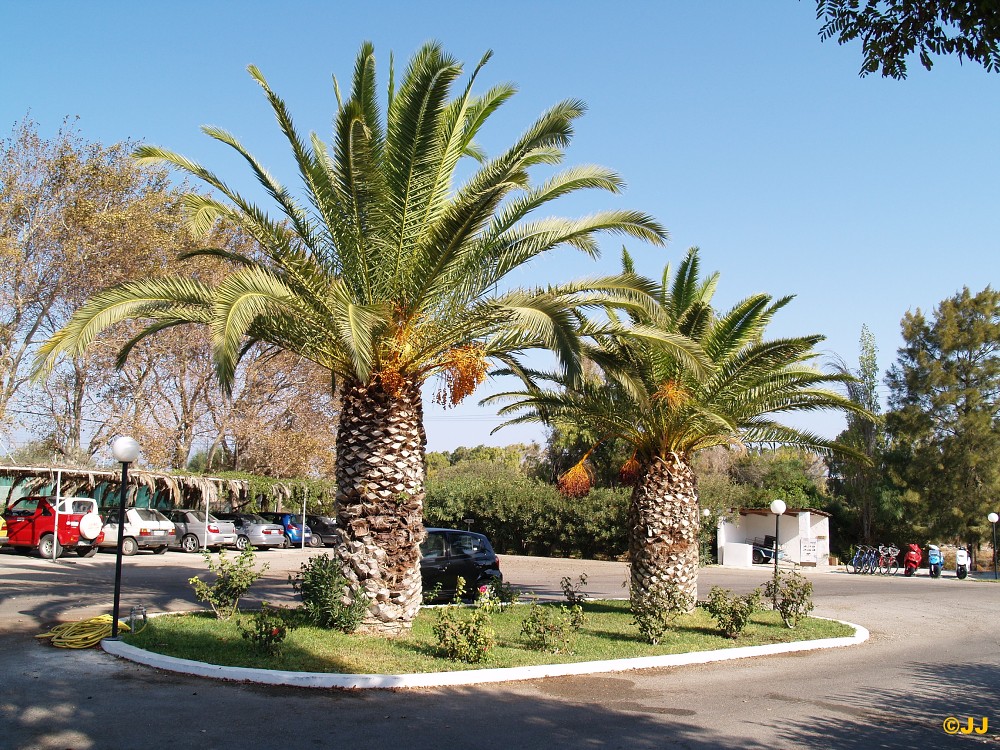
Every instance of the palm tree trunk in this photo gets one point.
(380, 498)
(663, 529)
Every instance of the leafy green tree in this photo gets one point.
(864, 485)
(669, 405)
(944, 421)
(385, 272)
(891, 30)
(795, 476)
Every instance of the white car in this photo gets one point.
(145, 528)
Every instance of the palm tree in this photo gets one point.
(386, 272)
(668, 410)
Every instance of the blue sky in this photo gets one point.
(731, 123)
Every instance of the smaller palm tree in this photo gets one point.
(660, 397)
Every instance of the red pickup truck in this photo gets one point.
(31, 522)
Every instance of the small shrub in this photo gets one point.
(497, 595)
(326, 597)
(573, 591)
(233, 578)
(791, 596)
(550, 628)
(266, 629)
(732, 613)
(655, 610)
(464, 638)
(432, 594)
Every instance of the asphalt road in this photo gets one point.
(934, 653)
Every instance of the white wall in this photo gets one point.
(804, 537)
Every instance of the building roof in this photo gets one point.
(788, 512)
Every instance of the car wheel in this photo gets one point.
(315, 541)
(129, 546)
(758, 556)
(190, 543)
(242, 542)
(86, 551)
(160, 550)
(45, 547)
(287, 543)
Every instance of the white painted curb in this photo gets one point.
(467, 677)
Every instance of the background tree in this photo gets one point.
(386, 273)
(892, 30)
(873, 504)
(74, 216)
(944, 419)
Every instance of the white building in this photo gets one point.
(803, 535)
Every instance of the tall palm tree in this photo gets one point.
(386, 272)
(668, 409)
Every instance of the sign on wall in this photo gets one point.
(808, 550)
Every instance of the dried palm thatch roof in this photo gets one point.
(177, 487)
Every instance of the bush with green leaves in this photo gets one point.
(233, 578)
(732, 613)
(325, 595)
(655, 610)
(463, 634)
(524, 516)
(791, 596)
(551, 628)
(266, 629)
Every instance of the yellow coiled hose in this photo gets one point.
(84, 633)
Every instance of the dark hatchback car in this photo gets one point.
(447, 554)
(324, 530)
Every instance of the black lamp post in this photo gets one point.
(777, 507)
(126, 451)
(993, 518)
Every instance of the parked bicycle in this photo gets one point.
(888, 559)
(883, 559)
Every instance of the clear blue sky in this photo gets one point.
(731, 122)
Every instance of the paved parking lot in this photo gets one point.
(934, 653)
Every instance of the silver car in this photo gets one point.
(192, 533)
(252, 530)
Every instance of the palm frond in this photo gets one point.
(136, 299)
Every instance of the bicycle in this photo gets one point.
(888, 564)
(856, 563)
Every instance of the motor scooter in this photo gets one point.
(961, 563)
(935, 560)
(911, 561)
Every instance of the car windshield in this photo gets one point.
(197, 515)
(28, 504)
(295, 519)
(432, 546)
(254, 518)
(149, 514)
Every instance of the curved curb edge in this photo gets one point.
(466, 677)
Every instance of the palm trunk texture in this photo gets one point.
(663, 523)
(380, 499)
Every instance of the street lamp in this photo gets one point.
(993, 518)
(126, 451)
(777, 507)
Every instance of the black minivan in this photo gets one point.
(447, 554)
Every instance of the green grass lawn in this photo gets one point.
(608, 633)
